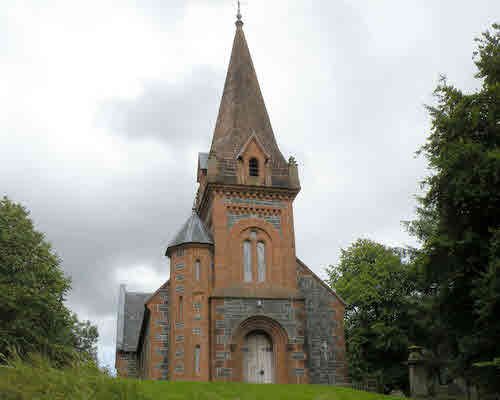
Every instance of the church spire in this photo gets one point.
(242, 112)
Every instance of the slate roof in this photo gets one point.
(133, 313)
(242, 110)
(203, 160)
(193, 231)
(321, 281)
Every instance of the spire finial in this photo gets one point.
(238, 15)
(193, 209)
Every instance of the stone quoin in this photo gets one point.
(239, 304)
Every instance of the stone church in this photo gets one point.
(239, 304)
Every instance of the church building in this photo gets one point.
(239, 305)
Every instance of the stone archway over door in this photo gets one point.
(258, 362)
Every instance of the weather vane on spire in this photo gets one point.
(238, 16)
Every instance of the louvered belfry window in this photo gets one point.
(250, 247)
(253, 166)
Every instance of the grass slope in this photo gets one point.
(39, 380)
(244, 391)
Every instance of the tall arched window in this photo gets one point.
(253, 167)
(261, 259)
(179, 311)
(197, 270)
(197, 351)
(247, 261)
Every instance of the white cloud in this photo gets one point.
(142, 278)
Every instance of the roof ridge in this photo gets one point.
(321, 281)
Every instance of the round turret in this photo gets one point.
(191, 261)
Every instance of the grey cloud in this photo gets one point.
(177, 114)
(128, 224)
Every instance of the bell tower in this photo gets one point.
(239, 305)
(246, 190)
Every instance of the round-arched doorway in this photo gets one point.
(258, 361)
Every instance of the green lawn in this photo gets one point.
(243, 391)
(22, 382)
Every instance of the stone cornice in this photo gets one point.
(265, 192)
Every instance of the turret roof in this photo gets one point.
(193, 231)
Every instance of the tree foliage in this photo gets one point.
(85, 337)
(378, 287)
(33, 316)
(459, 217)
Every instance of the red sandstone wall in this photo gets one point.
(156, 340)
(192, 328)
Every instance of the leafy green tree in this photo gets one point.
(459, 217)
(33, 316)
(85, 337)
(377, 284)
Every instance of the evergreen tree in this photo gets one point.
(459, 218)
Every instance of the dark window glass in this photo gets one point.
(253, 165)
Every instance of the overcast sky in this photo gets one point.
(105, 105)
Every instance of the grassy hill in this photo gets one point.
(39, 380)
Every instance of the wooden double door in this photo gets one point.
(258, 362)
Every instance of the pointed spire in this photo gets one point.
(242, 110)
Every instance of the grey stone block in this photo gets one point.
(319, 328)
(298, 356)
(222, 355)
(220, 324)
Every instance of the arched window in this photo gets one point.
(253, 167)
(261, 258)
(197, 270)
(247, 261)
(197, 351)
(256, 242)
